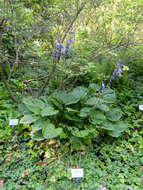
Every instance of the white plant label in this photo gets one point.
(77, 173)
(13, 122)
(141, 107)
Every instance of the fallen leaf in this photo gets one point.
(18, 155)
(56, 158)
(47, 154)
(82, 153)
(141, 167)
(41, 163)
(51, 142)
(9, 157)
(76, 167)
(25, 173)
(104, 179)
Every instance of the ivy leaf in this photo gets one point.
(114, 115)
(49, 131)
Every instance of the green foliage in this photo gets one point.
(82, 112)
(113, 165)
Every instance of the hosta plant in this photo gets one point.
(82, 113)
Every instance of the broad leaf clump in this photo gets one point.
(80, 113)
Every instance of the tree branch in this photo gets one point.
(73, 21)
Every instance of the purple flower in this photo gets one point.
(102, 86)
(70, 40)
(119, 63)
(116, 73)
(58, 50)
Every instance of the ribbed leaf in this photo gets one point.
(103, 107)
(50, 131)
(81, 133)
(41, 123)
(97, 117)
(49, 111)
(114, 115)
(28, 119)
(34, 105)
(84, 112)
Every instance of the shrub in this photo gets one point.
(82, 113)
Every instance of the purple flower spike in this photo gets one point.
(116, 73)
(58, 50)
(59, 46)
(70, 40)
(119, 63)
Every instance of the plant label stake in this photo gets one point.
(141, 107)
(13, 122)
(77, 173)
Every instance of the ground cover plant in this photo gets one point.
(71, 72)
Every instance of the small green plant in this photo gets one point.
(81, 113)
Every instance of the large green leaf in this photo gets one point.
(28, 119)
(107, 91)
(72, 97)
(120, 126)
(95, 87)
(97, 117)
(92, 101)
(49, 111)
(34, 105)
(108, 125)
(84, 112)
(108, 95)
(41, 123)
(23, 109)
(37, 135)
(49, 131)
(55, 102)
(114, 128)
(109, 98)
(80, 133)
(114, 115)
(103, 107)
